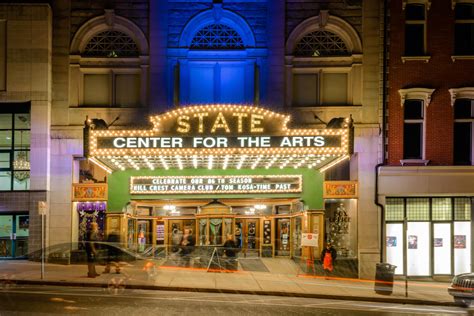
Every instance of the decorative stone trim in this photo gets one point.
(427, 3)
(412, 162)
(416, 58)
(217, 15)
(454, 2)
(416, 94)
(108, 21)
(462, 57)
(331, 23)
(461, 93)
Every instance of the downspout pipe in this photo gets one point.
(384, 100)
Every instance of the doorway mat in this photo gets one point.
(255, 265)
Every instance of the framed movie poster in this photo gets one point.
(391, 241)
(412, 242)
(438, 242)
(459, 241)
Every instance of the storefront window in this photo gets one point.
(442, 209)
(418, 244)
(442, 248)
(394, 210)
(418, 209)
(15, 148)
(341, 226)
(437, 230)
(462, 247)
(462, 209)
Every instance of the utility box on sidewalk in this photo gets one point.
(384, 273)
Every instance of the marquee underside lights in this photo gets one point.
(218, 136)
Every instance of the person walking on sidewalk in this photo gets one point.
(328, 256)
(91, 249)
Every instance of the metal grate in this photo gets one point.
(462, 209)
(394, 209)
(111, 44)
(418, 209)
(321, 43)
(441, 209)
(217, 36)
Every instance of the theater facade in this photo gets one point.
(214, 170)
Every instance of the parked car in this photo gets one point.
(462, 289)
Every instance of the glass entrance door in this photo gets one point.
(282, 240)
(14, 232)
(247, 235)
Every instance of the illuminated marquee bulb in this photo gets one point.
(180, 162)
(226, 161)
(195, 161)
(210, 162)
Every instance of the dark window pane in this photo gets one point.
(463, 109)
(412, 135)
(340, 172)
(462, 143)
(414, 39)
(464, 39)
(413, 109)
(415, 12)
(464, 11)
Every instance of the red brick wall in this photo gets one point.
(440, 73)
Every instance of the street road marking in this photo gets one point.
(367, 306)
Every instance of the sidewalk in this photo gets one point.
(282, 278)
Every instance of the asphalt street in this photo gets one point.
(36, 300)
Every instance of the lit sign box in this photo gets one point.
(220, 129)
(216, 184)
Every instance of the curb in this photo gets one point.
(247, 292)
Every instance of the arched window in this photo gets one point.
(108, 63)
(111, 43)
(216, 60)
(324, 63)
(321, 43)
(217, 36)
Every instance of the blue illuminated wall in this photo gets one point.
(205, 52)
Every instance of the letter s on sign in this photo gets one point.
(183, 124)
(119, 142)
(319, 141)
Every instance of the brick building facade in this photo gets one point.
(424, 187)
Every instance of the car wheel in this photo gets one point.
(466, 302)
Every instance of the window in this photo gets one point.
(15, 149)
(3, 55)
(108, 63)
(463, 131)
(323, 64)
(413, 129)
(415, 29)
(112, 89)
(320, 88)
(321, 43)
(464, 29)
(217, 36)
(216, 61)
(111, 44)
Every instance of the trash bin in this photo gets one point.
(384, 273)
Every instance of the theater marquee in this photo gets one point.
(220, 135)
